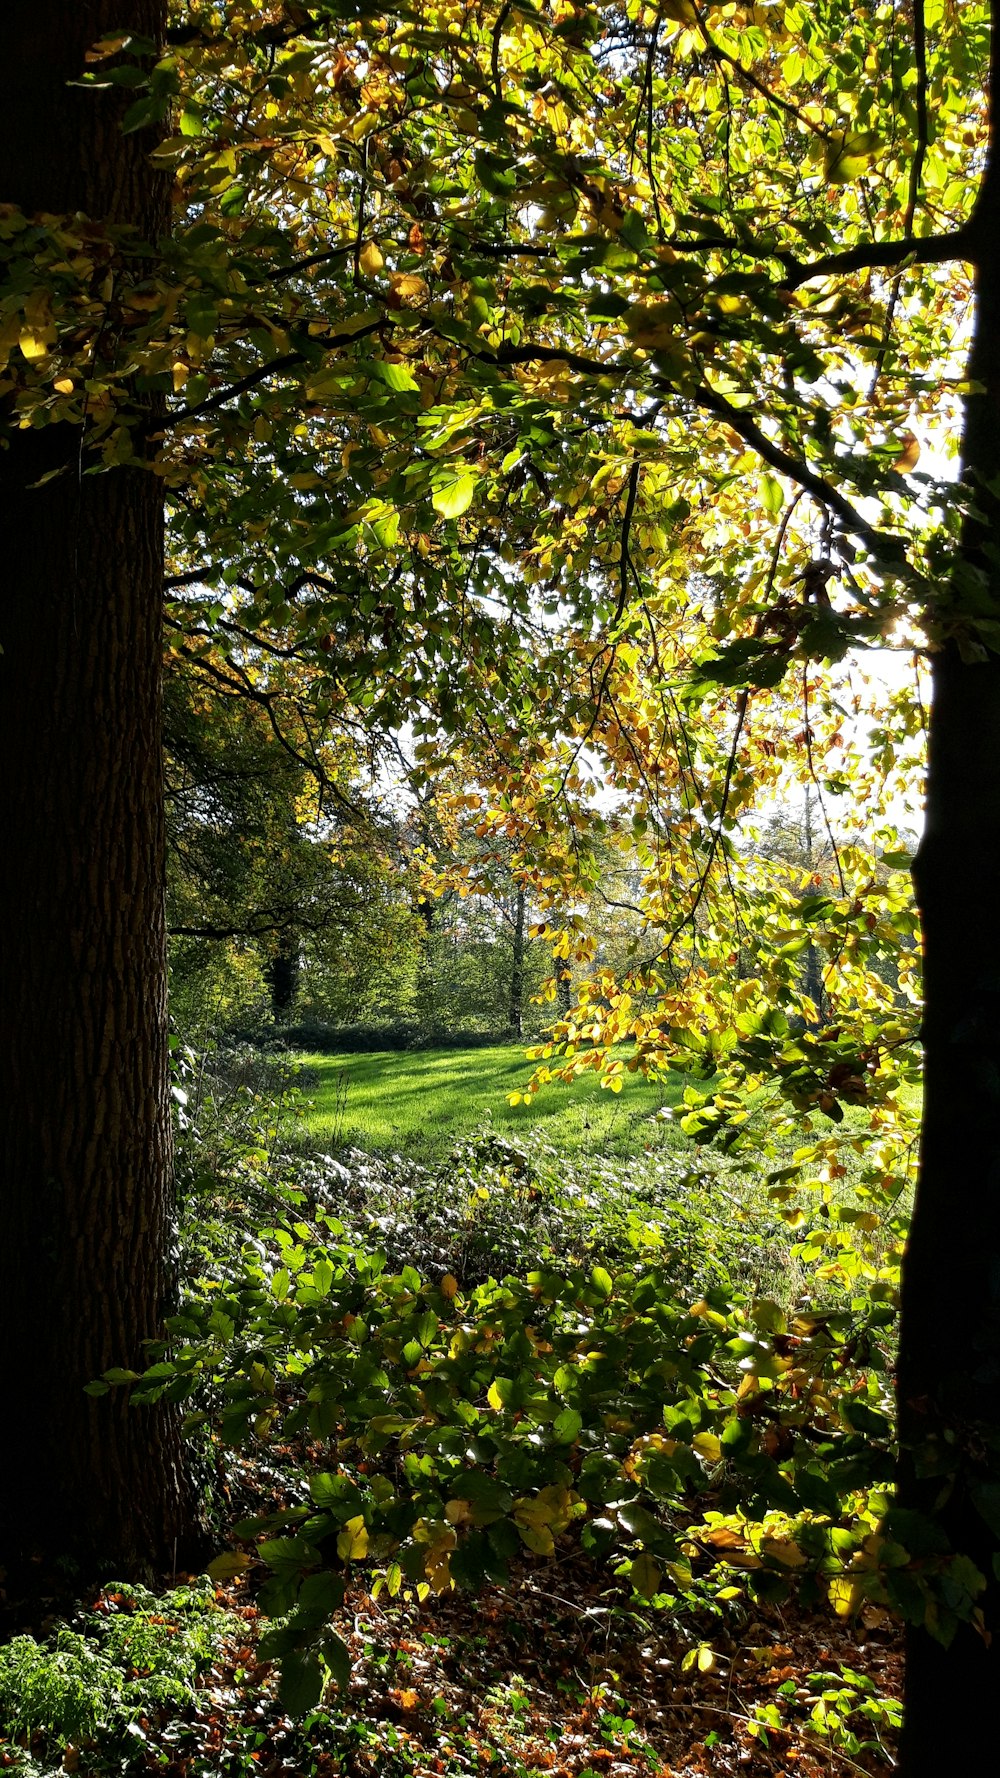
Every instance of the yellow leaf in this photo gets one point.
(645, 1575)
(551, 1508)
(352, 1543)
(63, 385)
(538, 1538)
(909, 453)
(701, 1657)
(847, 155)
(845, 1596)
(38, 331)
(651, 324)
(457, 1512)
(449, 1285)
(370, 259)
(33, 345)
(707, 1445)
(179, 370)
(228, 1565)
(437, 1561)
(407, 287)
(783, 1550)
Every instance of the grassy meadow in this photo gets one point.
(421, 1101)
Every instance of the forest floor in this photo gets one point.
(544, 1679)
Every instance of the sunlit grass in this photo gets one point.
(420, 1102)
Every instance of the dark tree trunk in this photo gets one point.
(282, 973)
(515, 1012)
(949, 1362)
(85, 1193)
(564, 989)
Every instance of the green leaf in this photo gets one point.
(396, 376)
(772, 496)
(452, 491)
(337, 1656)
(646, 1575)
(302, 1681)
(567, 1426)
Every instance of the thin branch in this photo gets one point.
(188, 579)
(250, 381)
(305, 264)
(287, 361)
(624, 563)
(502, 17)
(795, 468)
(812, 773)
(237, 683)
(722, 55)
(742, 709)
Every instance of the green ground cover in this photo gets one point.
(422, 1101)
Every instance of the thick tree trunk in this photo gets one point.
(85, 1192)
(949, 1363)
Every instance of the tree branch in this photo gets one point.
(254, 377)
(959, 243)
(795, 468)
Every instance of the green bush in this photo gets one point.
(673, 1439)
(95, 1682)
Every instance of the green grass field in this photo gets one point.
(422, 1101)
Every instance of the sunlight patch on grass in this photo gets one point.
(421, 1101)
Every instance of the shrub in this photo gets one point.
(95, 1681)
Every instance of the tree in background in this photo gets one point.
(276, 847)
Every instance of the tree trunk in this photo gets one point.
(515, 1012)
(564, 989)
(949, 1361)
(282, 975)
(85, 1193)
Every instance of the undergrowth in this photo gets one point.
(670, 1373)
(98, 1685)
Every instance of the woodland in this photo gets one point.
(500, 503)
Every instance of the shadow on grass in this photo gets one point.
(426, 1100)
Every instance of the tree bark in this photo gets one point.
(949, 1361)
(515, 1013)
(282, 975)
(85, 1198)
